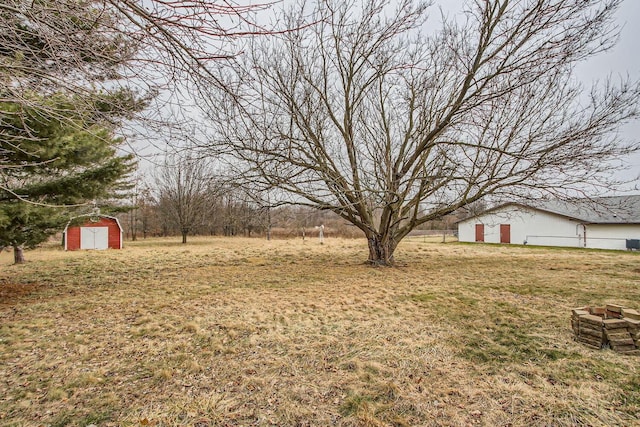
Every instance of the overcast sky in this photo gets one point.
(622, 61)
(624, 57)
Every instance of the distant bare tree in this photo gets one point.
(256, 209)
(146, 210)
(363, 116)
(182, 188)
(139, 206)
(475, 208)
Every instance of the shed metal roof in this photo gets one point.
(600, 210)
(597, 210)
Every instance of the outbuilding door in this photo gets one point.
(94, 237)
(505, 233)
(479, 232)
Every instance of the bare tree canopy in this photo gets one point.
(363, 115)
(182, 186)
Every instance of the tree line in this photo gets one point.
(188, 197)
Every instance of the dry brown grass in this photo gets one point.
(230, 332)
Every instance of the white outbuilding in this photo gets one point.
(602, 223)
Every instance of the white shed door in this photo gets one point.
(94, 237)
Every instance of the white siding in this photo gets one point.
(466, 230)
(614, 236)
(546, 229)
(530, 225)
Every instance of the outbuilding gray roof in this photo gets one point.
(597, 210)
(600, 210)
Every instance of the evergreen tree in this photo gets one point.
(64, 160)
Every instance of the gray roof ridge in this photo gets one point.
(603, 209)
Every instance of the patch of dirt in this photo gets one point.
(11, 293)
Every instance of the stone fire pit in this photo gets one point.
(611, 326)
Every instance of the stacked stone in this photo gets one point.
(575, 318)
(618, 335)
(622, 336)
(633, 324)
(613, 311)
(612, 326)
(587, 327)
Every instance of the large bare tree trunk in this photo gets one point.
(381, 250)
(18, 254)
(184, 236)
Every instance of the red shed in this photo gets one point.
(97, 232)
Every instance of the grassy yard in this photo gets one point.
(240, 332)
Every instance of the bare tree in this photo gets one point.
(138, 208)
(362, 115)
(182, 185)
(253, 208)
(241, 212)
